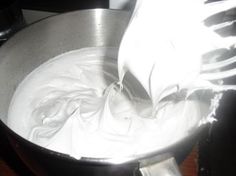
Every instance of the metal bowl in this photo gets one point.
(46, 39)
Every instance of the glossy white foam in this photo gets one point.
(71, 104)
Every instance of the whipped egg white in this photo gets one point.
(72, 104)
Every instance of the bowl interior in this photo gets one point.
(53, 36)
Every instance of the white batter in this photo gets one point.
(72, 104)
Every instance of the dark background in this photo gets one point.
(63, 5)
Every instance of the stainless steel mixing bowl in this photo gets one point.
(50, 37)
